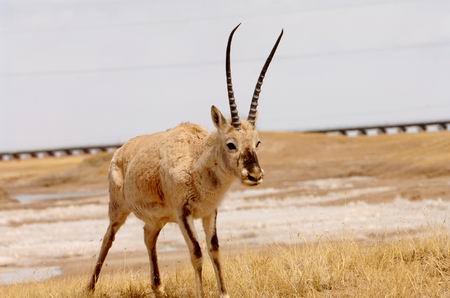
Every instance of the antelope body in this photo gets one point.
(180, 175)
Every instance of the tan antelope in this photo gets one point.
(182, 174)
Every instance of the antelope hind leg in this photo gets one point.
(151, 234)
(116, 221)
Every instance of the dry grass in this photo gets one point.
(70, 173)
(408, 267)
(5, 197)
(285, 156)
(90, 170)
(320, 156)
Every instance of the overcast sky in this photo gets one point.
(85, 72)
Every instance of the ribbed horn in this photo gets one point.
(233, 107)
(254, 104)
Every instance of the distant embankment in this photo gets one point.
(57, 152)
(370, 130)
(386, 128)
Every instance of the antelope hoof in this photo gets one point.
(159, 291)
(91, 287)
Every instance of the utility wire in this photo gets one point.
(144, 67)
(203, 19)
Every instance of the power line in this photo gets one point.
(203, 19)
(143, 67)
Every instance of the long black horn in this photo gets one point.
(233, 107)
(254, 104)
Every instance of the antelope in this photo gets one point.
(182, 174)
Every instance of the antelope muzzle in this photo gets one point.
(252, 173)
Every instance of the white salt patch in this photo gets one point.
(253, 192)
(294, 224)
(267, 222)
(26, 198)
(53, 213)
(333, 183)
(322, 184)
(300, 201)
(5, 261)
(244, 222)
(28, 274)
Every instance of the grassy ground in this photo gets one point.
(412, 167)
(406, 267)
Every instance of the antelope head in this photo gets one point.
(238, 140)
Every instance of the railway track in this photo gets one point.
(57, 152)
(415, 127)
(351, 131)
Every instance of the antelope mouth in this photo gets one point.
(250, 178)
(251, 181)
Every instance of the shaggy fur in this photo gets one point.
(177, 176)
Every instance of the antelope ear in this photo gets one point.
(217, 118)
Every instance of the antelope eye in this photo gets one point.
(231, 146)
(258, 143)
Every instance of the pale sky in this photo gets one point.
(86, 72)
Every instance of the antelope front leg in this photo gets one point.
(209, 225)
(186, 223)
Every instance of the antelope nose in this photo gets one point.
(256, 175)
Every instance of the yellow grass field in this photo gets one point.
(409, 267)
